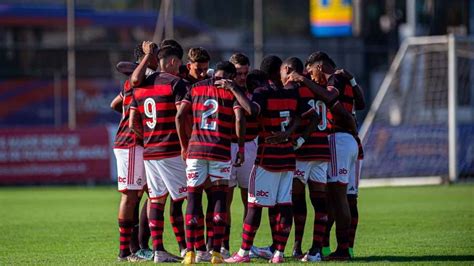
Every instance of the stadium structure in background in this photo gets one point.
(409, 130)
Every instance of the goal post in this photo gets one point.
(420, 125)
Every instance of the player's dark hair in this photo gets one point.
(227, 67)
(255, 79)
(198, 55)
(295, 64)
(167, 51)
(239, 59)
(271, 65)
(174, 43)
(138, 52)
(320, 57)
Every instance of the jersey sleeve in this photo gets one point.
(302, 107)
(306, 104)
(187, 97)
(180, 91)
(133, 102)
(260, 99)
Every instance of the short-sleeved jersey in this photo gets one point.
(346, 98)
(316, 146)
(125, 138)
(213, 117)
(156, 102)
(276, 109)
(251, 127)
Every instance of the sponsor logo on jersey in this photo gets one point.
(343, 171)
(225, 170)
(139, 181)
(299, 173)
(261, 193)
(193, 175)
(122, 180)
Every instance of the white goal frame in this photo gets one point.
(450, 41)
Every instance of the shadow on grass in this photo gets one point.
(414, 258)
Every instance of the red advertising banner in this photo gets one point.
(48, 155)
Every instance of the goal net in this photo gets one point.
(414, 129)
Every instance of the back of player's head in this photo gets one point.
(174, 43)
(138, 53)
(271, 65)
(256, 78)
(198, 55)
(294, 63)
(320, 57)
(227, 67)
(167, 51)
(239, 59)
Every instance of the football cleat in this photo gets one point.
(216, 258)
(130, 258)
(276, 259)
(297, 253)
(236, 258)
(203, 256)
(145, 253)
(264, 252)
(189, 258)
(225, 253)
(312, 258)
(163, 256)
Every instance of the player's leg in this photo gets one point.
(171, 170)
(225, 242)
(352, 195)
(158, 196)
(126, 221)
(130, 182)
(134, 245)
(219, 173)
(209, 214)
(329, 224)
(344, 153)
(317, 187)
(263, 186)
(196, 173)
(299, 204)
(285, 209)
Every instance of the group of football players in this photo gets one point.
(187, 129)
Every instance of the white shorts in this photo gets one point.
(166, 176)
(353, 187)
(266, 189)
(198, 170)
(344, 153)
(130, 168)
(314, 171)
(240, 175)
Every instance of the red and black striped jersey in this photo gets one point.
(156, 101)
(252, 127)
(276, 109)
(213, 117)
(346, 98)
(316, 146)
(125, 138)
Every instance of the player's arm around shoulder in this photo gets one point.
(240, 96)
(359, 100)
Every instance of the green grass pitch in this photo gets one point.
(77, 225)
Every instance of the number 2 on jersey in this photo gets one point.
(320, 108)
(205, 115)
(286, 122)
